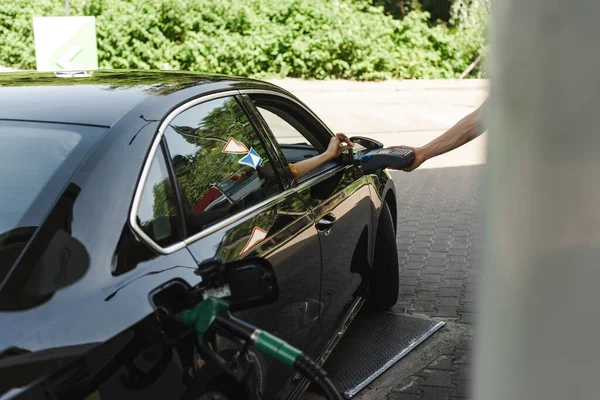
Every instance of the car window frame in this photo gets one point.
(156, 143)
(324, 135)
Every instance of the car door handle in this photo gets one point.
(326, 222)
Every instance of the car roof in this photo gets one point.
(104, 96)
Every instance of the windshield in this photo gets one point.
(36, 162)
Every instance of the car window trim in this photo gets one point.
(264, 138)
(248, 212)
(148, 163)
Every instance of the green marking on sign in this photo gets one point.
(76, 54)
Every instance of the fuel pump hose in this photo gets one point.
(215, 311)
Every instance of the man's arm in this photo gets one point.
(462, 132)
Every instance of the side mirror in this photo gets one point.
(367, 143)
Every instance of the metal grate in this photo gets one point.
(373, 343)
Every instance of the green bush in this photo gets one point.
(318, 39)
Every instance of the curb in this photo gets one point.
(391, 85)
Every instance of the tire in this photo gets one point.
(385, 278)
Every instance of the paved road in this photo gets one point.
(438, 240)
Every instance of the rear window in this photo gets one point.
(36, 162)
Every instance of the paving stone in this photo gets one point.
(451, 312)
(449, 292)
(420, 250)
(408, 228)
(470, 288)
(409, 281)
(452, 283)
(457, 266)
(443, 362)
(410, 273)
(464, 373)
(422, 243)
(458, 252)
(441, 248)
(467, 318)
(469, 297)
(468, 307)
(439, 378)
(428, 287)
(428, 296)
(462, 391)
(436, 261)
(406, 290)
(431, 278)
(413, 265)
(448, 274)
(423, 306)
(435, 269)
(435, 393)
(448, 302)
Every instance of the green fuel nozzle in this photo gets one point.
(214, 311)
(202, 315)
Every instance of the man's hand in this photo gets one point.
(460, 133)
(420, 157)
(335, 147)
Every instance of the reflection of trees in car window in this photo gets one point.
(157, 208)
(214, 184)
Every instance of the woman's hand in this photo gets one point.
(338, 144)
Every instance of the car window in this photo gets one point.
(298, 134)
(157, 210)
(283, 132)
(36, 162)
(219, 161)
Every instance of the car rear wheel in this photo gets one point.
(385, 280)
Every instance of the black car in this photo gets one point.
(116, 183)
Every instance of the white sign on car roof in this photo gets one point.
(65, 43)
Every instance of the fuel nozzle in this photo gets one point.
(215, 311)
(202, 316)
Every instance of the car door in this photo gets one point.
(236, 206)
(338, 196)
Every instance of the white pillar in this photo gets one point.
(538, 333)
